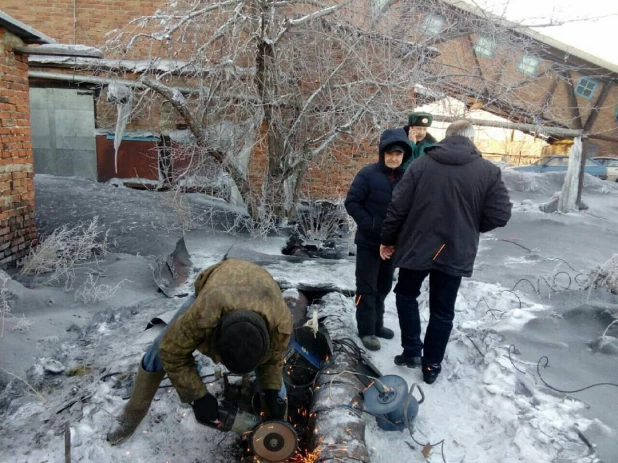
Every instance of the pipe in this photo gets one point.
(555, 131)
(559, 131)
(84, 79)
(81, 79)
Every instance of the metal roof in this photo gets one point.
(23, 31)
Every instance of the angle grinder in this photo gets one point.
(271, 441)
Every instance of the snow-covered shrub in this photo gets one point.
(66, 249)
(23, 324)
(606, 276)
(90, 292)
(321, 220)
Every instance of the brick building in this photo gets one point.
(17, 221)
(548, 82)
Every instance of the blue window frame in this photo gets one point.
(485, 46)
(432, 24)
(586, 87)
(529, 65)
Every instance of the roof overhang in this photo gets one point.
(23, 31)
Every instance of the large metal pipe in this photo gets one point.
(559, 131)
(542, 129)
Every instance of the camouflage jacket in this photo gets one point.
(227, 286)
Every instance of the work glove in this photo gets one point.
(275, 407)
(206, 409)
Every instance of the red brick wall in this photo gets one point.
(17, 222)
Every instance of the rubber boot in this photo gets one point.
(144, 390)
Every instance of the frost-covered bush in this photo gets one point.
(90, 292)
(59, 255)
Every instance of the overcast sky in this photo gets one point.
(597, 37)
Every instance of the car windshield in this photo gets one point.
(541, 161)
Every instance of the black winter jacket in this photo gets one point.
(371, 191)
(445, 199)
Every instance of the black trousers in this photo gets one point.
(443, 290)
(374, 280)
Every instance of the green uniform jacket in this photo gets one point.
(418, 149)
(227, 286)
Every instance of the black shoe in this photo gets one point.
(408, 361)
(431, 373)
(385, 333)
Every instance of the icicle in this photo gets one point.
(122, 96)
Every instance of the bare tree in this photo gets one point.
(292, 77)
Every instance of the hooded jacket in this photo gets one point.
(445, 199)
(227, 286)
(372, 189)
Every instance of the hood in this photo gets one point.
(394, 136)
(454, 151)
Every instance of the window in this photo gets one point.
(612, 163)
(586, 87)
(485, 46)
(432, 25)
(616, 114)
(529, 65)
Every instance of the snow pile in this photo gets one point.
(484, 409)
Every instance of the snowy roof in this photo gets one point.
(527, 31)
(23, 31)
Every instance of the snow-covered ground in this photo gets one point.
(488, 406)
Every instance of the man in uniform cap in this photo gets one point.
(418, 136)
(237, 317)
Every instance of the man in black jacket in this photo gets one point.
(445, 199)
(367, 202)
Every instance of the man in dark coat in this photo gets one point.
(367, 202)
(419, 138)
(445, 199)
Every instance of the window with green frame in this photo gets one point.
(485, 46)
(586, 87)
(529, 65)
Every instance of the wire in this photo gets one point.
(474, 344)
(512, 346)
(517, 244)
(538, 370)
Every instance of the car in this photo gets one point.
(560, 164)
(611, 164)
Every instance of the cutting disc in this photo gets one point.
(274, 441)
(379, 401)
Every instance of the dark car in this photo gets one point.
(560, 164)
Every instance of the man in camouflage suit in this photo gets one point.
(237, 317)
